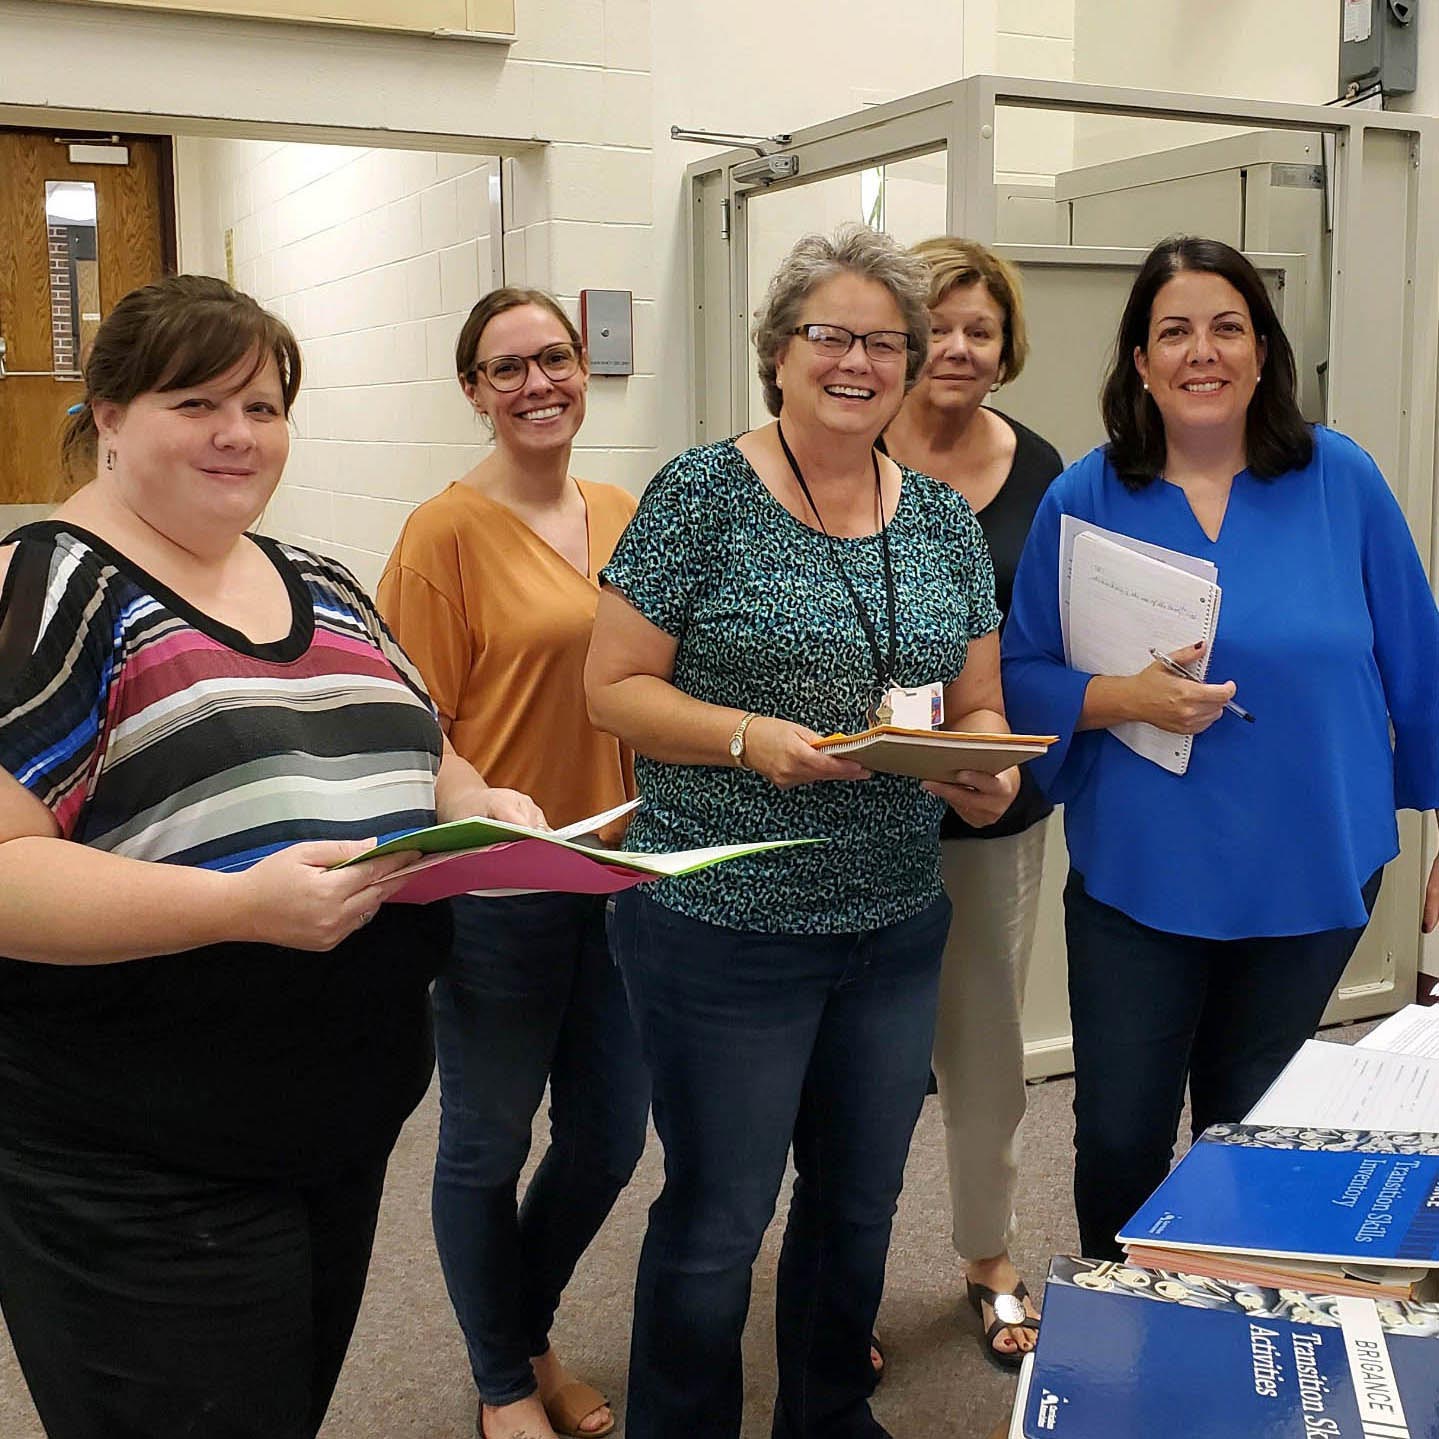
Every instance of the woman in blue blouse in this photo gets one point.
(1210, 915)
(772, 588)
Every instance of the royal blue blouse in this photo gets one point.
(1329, 630)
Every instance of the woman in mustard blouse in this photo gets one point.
(492, 591)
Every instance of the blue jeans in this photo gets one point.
(1151, 1010)
(530, 994)
(756, 1042)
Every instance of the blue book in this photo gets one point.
(1343, 1197)
(1129, 1353)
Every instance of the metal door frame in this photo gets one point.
(1382, 386)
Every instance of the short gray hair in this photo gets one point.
(854, 250)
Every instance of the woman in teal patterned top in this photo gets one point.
(772, 588)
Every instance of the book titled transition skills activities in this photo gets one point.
(1125, 1351)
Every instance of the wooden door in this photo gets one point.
(46, 324)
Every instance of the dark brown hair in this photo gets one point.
(179, 332)
(507, 297)
(1276, 436)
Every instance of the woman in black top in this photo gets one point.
(992, 874)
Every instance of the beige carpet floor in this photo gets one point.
(407, 1378)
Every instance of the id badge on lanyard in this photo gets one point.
(918, 708)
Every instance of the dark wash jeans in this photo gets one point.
(530, 994)
(1150, 1010)
(757, 1042)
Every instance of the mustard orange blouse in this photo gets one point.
(499, 623)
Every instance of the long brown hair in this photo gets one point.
(179, 332)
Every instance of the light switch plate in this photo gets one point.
(607, 326)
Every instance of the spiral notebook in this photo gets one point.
(1118, 603)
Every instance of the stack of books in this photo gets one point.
(1282, 1281)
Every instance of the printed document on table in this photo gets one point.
(1341, 1086)
(1413, 1030)
(1070, 529)
(1122, 603)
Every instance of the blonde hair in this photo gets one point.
(954, 262)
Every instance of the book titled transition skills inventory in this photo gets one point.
(1249, 1202)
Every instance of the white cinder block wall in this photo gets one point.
(373, 257)
(330, 236)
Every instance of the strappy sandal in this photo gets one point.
(570, 1405)
(1009, 1313)
(877, 1348)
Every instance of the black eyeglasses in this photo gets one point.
(836, 342)
(509, 372)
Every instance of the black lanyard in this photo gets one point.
(883, 669)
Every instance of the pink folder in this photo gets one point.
(525, 864)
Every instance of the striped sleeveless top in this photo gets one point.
(152, 731)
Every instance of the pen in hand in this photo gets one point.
(1175, 668)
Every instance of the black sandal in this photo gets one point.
(1007, 1315)
(877, 1348)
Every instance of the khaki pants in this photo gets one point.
(978, 1046)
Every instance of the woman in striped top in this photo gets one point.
(208, 1040)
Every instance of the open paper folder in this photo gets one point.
(934, 753)
(489, 856)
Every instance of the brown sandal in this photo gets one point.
(570, 1405)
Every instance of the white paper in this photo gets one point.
(1413, 1030)
(1122, 603)
(1070, 529)
(1341, 1086)
(1021, 1397)
(596, 822)
(1358, 20)
(1371, 1368)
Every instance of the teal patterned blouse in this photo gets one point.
(765, 623)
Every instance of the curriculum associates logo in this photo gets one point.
(1049, 1406)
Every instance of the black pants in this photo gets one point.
(1151, 1010)
(146, 1303)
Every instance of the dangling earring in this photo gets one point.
(109, 458)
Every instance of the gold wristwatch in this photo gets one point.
(736, 740)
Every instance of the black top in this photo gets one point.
(1005, 521)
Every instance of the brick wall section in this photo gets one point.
(62, 300)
